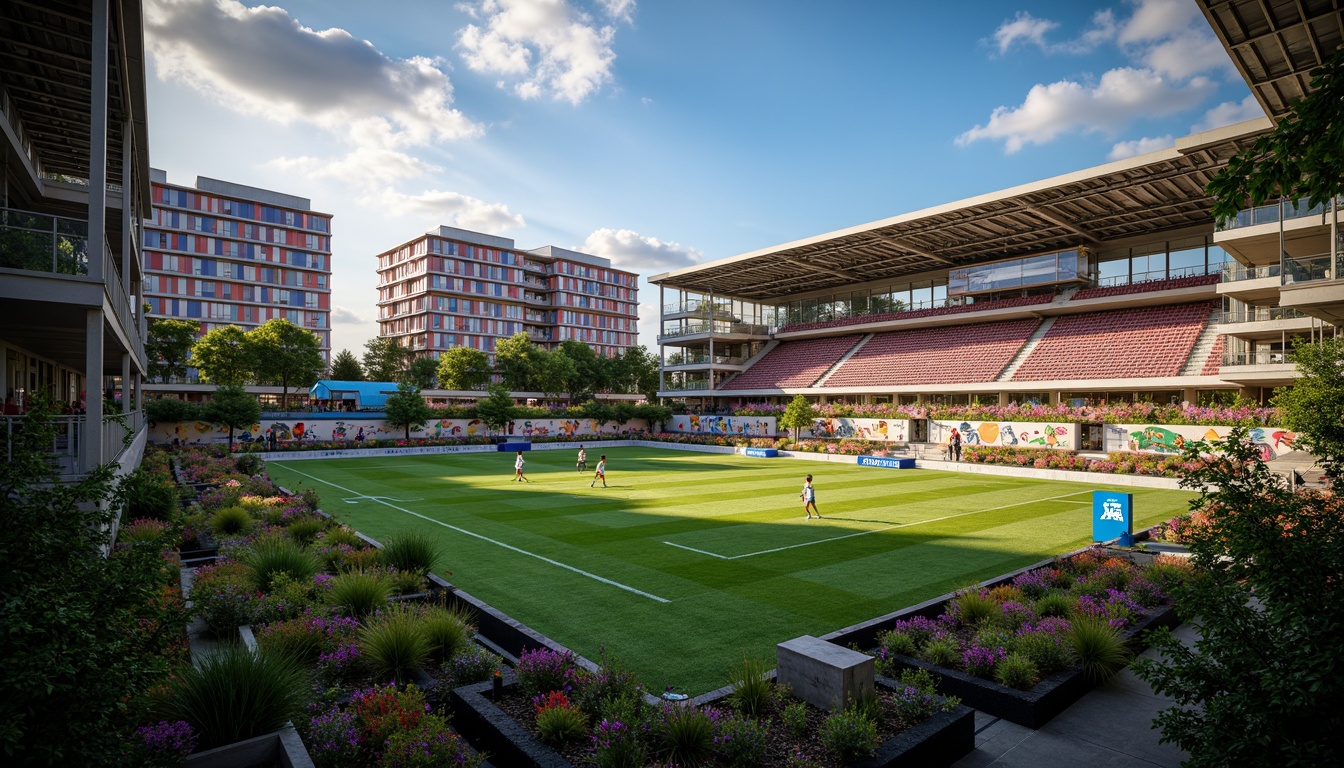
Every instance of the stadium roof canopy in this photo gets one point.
(1151, 193)
(1273, 43)
(1276, 43)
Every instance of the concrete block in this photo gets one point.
(823, 674)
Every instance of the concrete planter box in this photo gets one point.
(1036, 707)
(282, 747)
(940, 740)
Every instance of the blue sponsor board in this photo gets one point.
(761, 453)
(886, 462)
(1112, 515)
(514, 447)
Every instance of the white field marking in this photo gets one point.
(874, 530)
(357, 499)
(558, 564)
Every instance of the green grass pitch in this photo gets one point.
(691, 561)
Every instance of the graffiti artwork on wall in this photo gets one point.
(994, 433)
(741, 426)
(1171, 440)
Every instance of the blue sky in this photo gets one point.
(660, 134)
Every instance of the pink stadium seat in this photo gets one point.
(794, 363)
(1215, 362)
(1147, 286)
(947, 355)
(1120, 344)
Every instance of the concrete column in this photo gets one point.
(91, 449)
(98, 142)
(662, 309)
(128, 192)
(139, 392)
(126, 383)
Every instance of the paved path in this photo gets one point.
(1110, 726)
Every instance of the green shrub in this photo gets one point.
(413, 552)
(235, 694)
(359, 593)
(972, 608)
(231, 521)
(447, 631)
(920, 679)
(794, 716)
(394, 645)
(222, 596)
(406, 582)
(1048, 652)
(686, 735)
(1097, 647)
(898, 643)
(340, 535)
(752, 687)
(942, 651)
(272, 556)
(560, 725)
(612, 687)
(430, 744)
(305, 529)
(149, 496)
(1018, 671)
(472, 664)
(849, 734)
(742, 742)
(1057, 604)
(142, 531)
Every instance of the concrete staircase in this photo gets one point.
(1025, 351)
(829, 371)
(1199, 356)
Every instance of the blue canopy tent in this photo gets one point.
(361, 395)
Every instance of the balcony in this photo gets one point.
(693, 385)
(1269, 214)
(691, 359)
(734, 331)
(37, 242)
(1260, 315)
(1314, 285)
(66, 449)
(533, 266)
(698, 308)
(536, 298)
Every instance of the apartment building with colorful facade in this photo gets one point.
(451, 287)
(228, 254)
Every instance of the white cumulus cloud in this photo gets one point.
(1142, 146)
(639, 253)
(346, 316)
(263, 62)
(454, 209)
(543, 46)
(1121, 96)
(364, 166)
(1228, 113)
(1024, 27)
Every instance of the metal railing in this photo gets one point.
(680, 386)
(65, 450)
(1233, 272)
(1257, 358)
(1308, 269)
(1260, 314)
(40, 242)
(1269, 214)
(1152, 276)
(690, 359)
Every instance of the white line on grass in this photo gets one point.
(510, 547)
(874, 530)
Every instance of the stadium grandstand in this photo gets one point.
(1108, 284)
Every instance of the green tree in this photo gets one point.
(516, 360)
(423, 372)
(598, 411)
(168, 347)
(224, 356)
(85, 634)
(591, 373)
(1303, 157)
(166, 410)
(497, 410)
(233, 407)
(406, 408)
(1264, 684)
(284, 354)
(345, 367)
(798, 415)
(384, 359)
(463, 369)
(554, 373)
(1313, 406)
(639, 373)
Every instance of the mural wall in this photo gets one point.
(345, 429)
(1009, 434)
(893, 430)
(739, 426)
(1171, 439)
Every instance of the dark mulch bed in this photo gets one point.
(780, 747)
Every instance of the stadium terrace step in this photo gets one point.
(1026, 350)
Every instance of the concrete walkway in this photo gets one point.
(1111, 726)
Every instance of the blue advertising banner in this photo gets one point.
(1112, 515)
(761, 453)
(886, 462)
(514, 447)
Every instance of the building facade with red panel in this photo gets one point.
(455, 288)
(224, 254)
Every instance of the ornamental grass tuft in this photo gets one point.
(236, 694)
(1098, 648)
(414, 552)
(448, 631)
(359, 593)
(394, 644)
(271, 557)
(752, 687)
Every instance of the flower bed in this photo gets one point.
(601, 718)
(1027, 648)
(1044, 458)
(1118, 413)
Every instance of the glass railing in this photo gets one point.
(1257, 358)
(1232, 272)
(39, 242)
(1260, 314)
(672, 362)
(675, 386)
(1307, 269)
(698, 307)
(65, 448)
(1269, 214)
